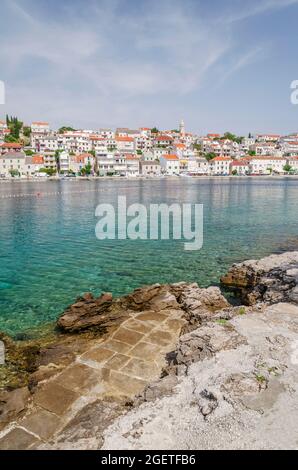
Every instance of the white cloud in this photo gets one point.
(104, 61)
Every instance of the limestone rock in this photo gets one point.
(200, 304)
(272, 279)
(206, 341)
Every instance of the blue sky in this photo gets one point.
(220, 65)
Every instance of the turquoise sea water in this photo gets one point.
(49, 253)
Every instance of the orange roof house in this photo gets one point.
(170, 157)
(124, 139)
(221, 159)
(11, 145)
(37, 160)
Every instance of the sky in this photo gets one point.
(221, 65)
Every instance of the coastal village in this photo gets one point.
(37, 151)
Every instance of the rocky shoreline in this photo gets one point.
(168, 366)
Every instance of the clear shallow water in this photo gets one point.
(49, 253)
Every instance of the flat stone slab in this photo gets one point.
(17, 439)
(161, 338)
(127, 336)
(139, 326)
(99, 354)
(41, 422)
(117, 346)
(55, 398)
(78, 378)
(141, 369)
(145, 351)
(117, 362)
(124, 385)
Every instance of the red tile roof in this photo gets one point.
(170, 157)
(164, 137)
(240, 163)
(96, 137)
(124, 139)
(221, 159)
(11, 145)
(37, 159)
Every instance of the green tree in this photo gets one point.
(232, 137)
(209, 156)
(154, 130)
(26, 131)
(57, 158)
(252, 153)
(48, 171)
(64, 129)
(11, 139)
(86, 170)
(14, 173)
(287, 168)
(197, 147)
(14, 126)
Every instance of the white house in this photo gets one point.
(12, 161)
(293, 162)
(125, 144)
(49, 160)
(20, 164)
(266, 165)
(64, 162)
(40, 128)
(132, 165)
(106, 164)
(163, 140)
(8, 147)
(78, 162)
(158, 152)
(120, 164)
(170, 164)
(268, 148)
(41, 143)
(220, 166)
(106, 133)
(268, 137)
(240, 167)
(150, 168)
(198, 166)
